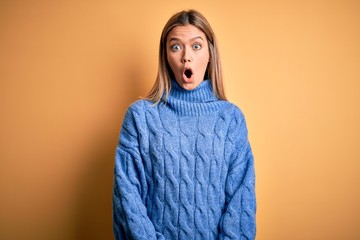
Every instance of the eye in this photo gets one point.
(175, 47)
(197, 46)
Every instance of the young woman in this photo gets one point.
(184, 168)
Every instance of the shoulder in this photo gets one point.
(140, 105)
(135, 110)
(232, 112)
(139, 111)
(237, 128)
(138, 108)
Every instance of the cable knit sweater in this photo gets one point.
(184, 170)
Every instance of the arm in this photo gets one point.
(238, 220)
(130, 219)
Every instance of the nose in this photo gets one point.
(186, 59)
(186, 56)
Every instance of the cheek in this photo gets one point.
(171, 64)
(205, 60)
(169, 57)
(169, 60)
(172, 61)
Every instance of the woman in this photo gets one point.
(184, 167)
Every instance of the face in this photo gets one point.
(188, 55)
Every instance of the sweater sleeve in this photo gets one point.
(130, 219)
(238, 220)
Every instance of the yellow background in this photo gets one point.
(69, 69)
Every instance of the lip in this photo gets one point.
(185, 74)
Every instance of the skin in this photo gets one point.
(187, 48)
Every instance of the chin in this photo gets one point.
(190, 85)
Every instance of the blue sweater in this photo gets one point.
(184, 169)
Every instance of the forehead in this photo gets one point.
(185, 32)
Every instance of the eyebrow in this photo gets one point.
(192, 39)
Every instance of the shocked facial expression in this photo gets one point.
(188, 55)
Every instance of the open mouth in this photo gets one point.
(188, 73)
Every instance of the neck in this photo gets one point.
(199, 101)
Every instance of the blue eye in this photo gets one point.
(196, 46)
(175, 47)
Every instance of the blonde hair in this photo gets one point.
(162, 84)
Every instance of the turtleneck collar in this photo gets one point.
(199, 101)
(202, 93)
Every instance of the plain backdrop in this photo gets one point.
(70, 69)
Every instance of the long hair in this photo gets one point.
(162, 84)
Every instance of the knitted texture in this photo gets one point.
(184, 169)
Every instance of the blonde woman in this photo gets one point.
(184, 168)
